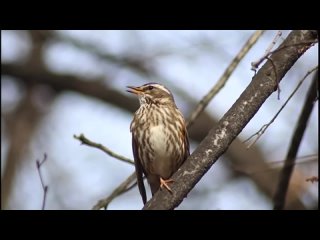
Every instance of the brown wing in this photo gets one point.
(186, 144)
(139, 171)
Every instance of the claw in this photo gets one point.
(164, 184)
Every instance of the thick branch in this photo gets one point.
(232, 123)
(280, 195)
(63, 82)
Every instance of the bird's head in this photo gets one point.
(152, 93)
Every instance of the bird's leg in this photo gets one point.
(164, 183)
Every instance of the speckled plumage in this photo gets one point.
(159, 136)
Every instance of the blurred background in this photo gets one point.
(55, 84)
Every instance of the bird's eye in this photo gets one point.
(150, 87)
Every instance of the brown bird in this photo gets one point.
(159, 137)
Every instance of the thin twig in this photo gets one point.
(87, 142)
(265, 126)
(44, 187)
(286, 172)
(256, 64)
(123, 187)
(225, 76)
(275, 75)
(267, 54)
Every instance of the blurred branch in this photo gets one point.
(87, 142)
(131, 62)
(219, 138)
(272, 167)
(225, 76)
(21, 126)
(64, 82)
(138, 64)
(44, 187)
(23, 121)
(265, 126)
(123, 187)
(285, 175)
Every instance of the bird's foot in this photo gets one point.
(164, 184)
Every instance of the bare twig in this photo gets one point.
(134, 63)
(285, 175)
(268, 52)
(275, 75)
(87, 142)
(225, 76)
(265, 126)
(122, 188)
(256, 64)
(44, 187)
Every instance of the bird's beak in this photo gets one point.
(134, 90)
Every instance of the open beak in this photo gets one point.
(134, 90)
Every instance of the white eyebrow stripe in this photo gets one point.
(162, 88)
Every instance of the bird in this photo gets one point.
(160, 141)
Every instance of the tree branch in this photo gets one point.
(64, 82)
(44, 187)
(265, 126)
(285, 175)
(225, 76)
(87, 142)
(232, 123)
(256, 63)
(122, 188)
